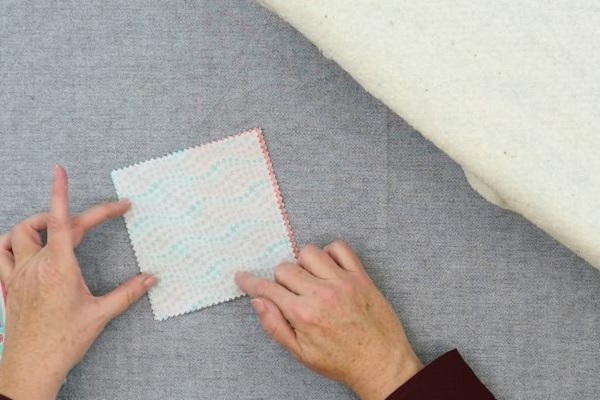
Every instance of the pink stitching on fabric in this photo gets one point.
(278, 196)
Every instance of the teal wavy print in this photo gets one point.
(216, 267)
(174, 182)
(188, 217)
(162, 194)
(233, 234)
(268, 252)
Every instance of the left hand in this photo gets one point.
(52, 318)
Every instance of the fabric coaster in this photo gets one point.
(200, 214)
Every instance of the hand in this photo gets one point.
(52, 318)
(329, 315)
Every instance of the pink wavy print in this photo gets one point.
(280, 204)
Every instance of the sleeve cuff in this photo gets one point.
(447, 378)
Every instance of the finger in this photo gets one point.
(5, 242)
(7, 261)
(59, 223)
(128, 293)
(7, 265)
(97, 215)
(257, 287)
(318, 262)
(275, 324)
(344, 256)
(295, 278)
(25, 237)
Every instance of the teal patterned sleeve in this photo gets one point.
(2, 318)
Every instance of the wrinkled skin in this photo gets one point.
(328, 314)
(52, 318)
(324, 309)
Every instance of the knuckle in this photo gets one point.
(280, 271)
(327, 294)
(24, 230)
(17, 229)
(306, 316)
(130, 297)
(262, 288)
(306, 250)
(7, 255)
(54, 223)
(270, 328)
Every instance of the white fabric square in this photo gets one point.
(198, 215)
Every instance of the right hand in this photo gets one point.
(327, 313)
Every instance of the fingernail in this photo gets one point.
(150, 281)
(125, 200)
(258, 305)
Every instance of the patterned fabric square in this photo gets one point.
(198, 215)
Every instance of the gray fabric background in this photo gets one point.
(102, 84)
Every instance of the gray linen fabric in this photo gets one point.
(102, 84)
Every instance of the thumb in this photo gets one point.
(126, 294)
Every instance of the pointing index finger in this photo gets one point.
(256, 287)
(59, 220)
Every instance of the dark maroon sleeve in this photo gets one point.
(3, 397)
(447, 378)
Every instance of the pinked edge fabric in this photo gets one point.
(274, 185)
